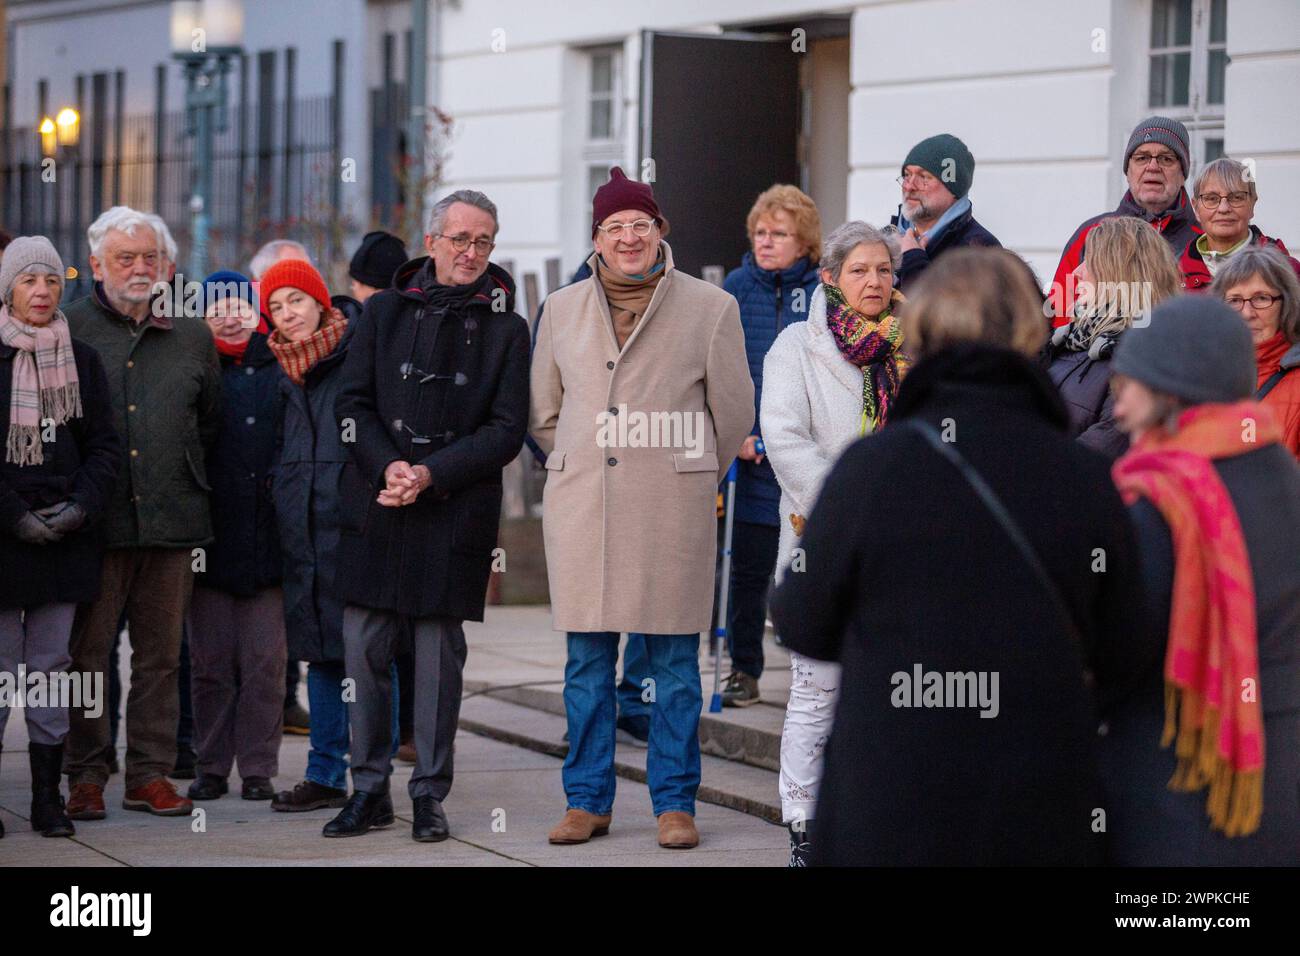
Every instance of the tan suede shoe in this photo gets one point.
(677, 831)
(579, 826)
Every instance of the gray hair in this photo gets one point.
(470, 197)
(844, 239)
(1232, 174)
(1275, 270)
(269, 255)
(125, 219)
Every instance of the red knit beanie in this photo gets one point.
(297, 273)
(622, 193)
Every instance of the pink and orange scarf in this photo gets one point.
(1212, 659)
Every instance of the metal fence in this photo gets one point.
(276, 173)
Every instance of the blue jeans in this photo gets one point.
(673, 760)
(327, 761)
(636, 668)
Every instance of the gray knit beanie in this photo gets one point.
(27, 254)
(1162, 130)
(1194, 348)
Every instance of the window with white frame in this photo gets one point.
(1188, 65)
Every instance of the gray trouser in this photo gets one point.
(237, 657)
(38, 638)
(370, 642)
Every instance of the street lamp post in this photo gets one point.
(206, 37)
(59, 139)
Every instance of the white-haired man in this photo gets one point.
(165, 386)
(272, 252)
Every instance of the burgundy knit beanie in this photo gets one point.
(622, 193)
(297, 273)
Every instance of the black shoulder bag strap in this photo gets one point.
(1272, 381)
(995, 506)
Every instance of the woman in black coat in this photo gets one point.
(310, 341)
(237, 643)
(965, 730)
(59, 468)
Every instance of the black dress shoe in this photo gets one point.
(257, 788)
(208, 787)
(430, 824)
(364, 812)
(308, 795)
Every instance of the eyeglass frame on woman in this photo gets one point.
(462, 242)
(1236, 303)
(615, 229)
(1212, 200)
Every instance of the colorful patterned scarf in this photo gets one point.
(297, 358)
(44, 387)
(1212, 659)
(873, 346)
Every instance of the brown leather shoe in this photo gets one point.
(677, 830)
(159, 797)
(86, 802)
(406, 752)
(579, 826)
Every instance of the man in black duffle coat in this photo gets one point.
(434, 404)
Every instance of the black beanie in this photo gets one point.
(377, 258)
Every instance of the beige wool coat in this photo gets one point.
(637, 442)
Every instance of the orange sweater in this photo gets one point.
(1284, 399)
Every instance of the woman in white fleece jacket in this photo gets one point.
(826, 382)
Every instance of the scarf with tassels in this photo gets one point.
(1212, 658)
(873, 346)
(297, 358)
(44, 389)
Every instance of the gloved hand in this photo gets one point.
(33, 530)
(65, 517)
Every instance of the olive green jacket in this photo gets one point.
(164, 380)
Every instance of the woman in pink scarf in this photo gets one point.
(60, 464)
(1201, 752)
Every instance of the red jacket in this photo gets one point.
(1196, 275)
(1284, 398)
(1177, 224)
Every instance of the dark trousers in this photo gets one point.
(185, 696)
(753, 561)
(238, 653)
(406, 694)
(153, 585)
(371, 640)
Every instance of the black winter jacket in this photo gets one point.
(446, 388)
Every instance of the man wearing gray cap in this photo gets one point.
(1156, 163)
(1201, 755)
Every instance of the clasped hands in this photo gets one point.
(403, 484)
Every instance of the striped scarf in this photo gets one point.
(873, 346)
(1212, 653)
(297, 358)
(44, 389)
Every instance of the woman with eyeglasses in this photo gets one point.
(774, 285)
(1224, 197)
(1261, 286)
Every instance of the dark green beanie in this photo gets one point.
(947, 159)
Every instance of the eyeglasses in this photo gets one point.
(922, 179)
(1212, 200)
(1259, 302)
(462, 242)
(1163, 160)
(776, 236)
(639, 227)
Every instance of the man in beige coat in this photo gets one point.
(641, 397)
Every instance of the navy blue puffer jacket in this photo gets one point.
(769, 301)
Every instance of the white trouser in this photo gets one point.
(814, 688)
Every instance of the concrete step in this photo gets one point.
(749, 735)
(725, 782)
